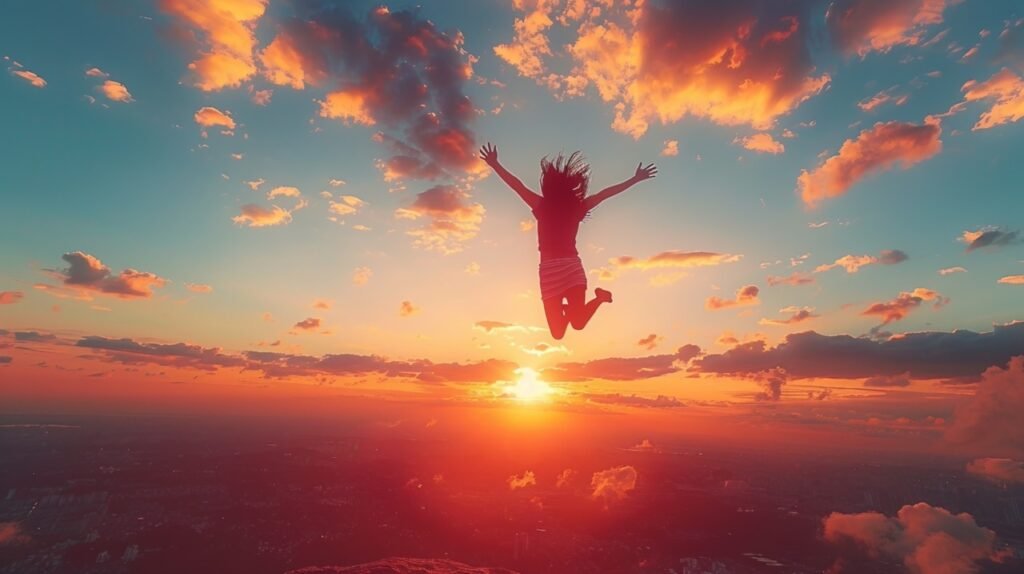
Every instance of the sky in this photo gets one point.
(254, 194)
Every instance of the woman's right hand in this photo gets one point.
(643, 173)
(489, 154)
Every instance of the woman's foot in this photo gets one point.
(603, 295)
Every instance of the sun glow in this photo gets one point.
(528, 387)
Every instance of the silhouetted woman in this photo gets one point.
(559, 209)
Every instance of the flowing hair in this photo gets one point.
(563, 183)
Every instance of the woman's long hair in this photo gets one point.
(563, 182)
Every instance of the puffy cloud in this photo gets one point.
(795, 278)
(991, 418)
(284, 191)
(736, 62)
(614, 483)
(670, 149)
(864, 26)
(517, 482)
(761, 143)
(650, 341)
(959, 354)
(255, 184)
(346, 205)
(997, 469)
(453, 220)
(362, 275)
(1008, 280)
(31, 77)
(199, 288)
(10, 297)
(796, 315)
(746, 295)
(565, 478)
(261, 97)
(253, 215)
(903, 304)
(622, 368)
(392, 69)
(308, 324)
(209, 117)
(407, 309)
(224, 34)
(771, 382)
(988, 237)
(96, 73)
(115, 91)
(1006, 91)
(875, 150)
(927, 539)
(853, 263)
(86, 272)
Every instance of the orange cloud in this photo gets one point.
(988, 237)
(517, 482)
(881, 98)
(10, 297)
(349, 106)
(209, 117)
(1006, 88)
(1012, 280)
(308, 324)
(284, 64)
(253, 215)
(87, 273)
(746, 295)
(650, 341)
(990, 419)
(927, 539)
(31, 77)
(951, 270)
(199, 288)
(361, 276)
(613, 483)
(226, 31)
(997, 469)
(761, 143)
(96, 73)
(670, 149)
(452, 219)
(796, 315)
(795, 278)
(734, 63)
(873, 151)
(284, 191)
(407, 309)
(667, 259)
(902, 305)
(863, 26)
(853, 263)
(115, 91)
(346, 205)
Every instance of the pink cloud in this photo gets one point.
(87, 273)
(1006, 91)
(253, 215)
(31, 77)
(451, 218)
(875, 150)
(209, 117)
(901, 306)
(10, 297)
(864, 26)
(927, 539)
(115, 91)
(998, 469)
(614, 483)
(746, 295)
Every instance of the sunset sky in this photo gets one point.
(287, 195)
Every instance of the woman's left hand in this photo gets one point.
(643, 173)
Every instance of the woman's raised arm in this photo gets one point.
(489, 154)
(642, 173)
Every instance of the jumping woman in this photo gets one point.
(559, 209)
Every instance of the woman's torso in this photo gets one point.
(557, 229)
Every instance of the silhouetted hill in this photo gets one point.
(403, 566)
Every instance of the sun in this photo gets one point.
(528, 387)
